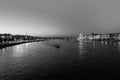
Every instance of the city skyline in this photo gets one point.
(59, 17)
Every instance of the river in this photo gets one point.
(74, 59)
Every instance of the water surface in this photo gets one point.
(74, 59)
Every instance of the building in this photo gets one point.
(118, 37)
(97, 37)
(90, 37)
(82, 36)
(105, 36)
(108, 37)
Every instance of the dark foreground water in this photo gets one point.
(73, 60)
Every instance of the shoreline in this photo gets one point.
(10, 44)
(4, 45)
(98, 40)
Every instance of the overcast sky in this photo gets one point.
(59, 17)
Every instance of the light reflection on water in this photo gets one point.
(40, 58)
(20, 50)
(3, 50)
(96, 49)
(81, 50)
(119, 47)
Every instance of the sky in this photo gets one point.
(59, 17)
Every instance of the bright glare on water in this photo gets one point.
(73, 59)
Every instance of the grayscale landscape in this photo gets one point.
(59, 39)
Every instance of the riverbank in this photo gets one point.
(99, 40)
(108, 40)
(8, 44)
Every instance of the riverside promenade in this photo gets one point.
(8, 44)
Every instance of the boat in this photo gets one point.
(56, 45)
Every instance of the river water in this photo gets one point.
(74, 59)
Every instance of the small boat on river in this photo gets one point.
(56, 45)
